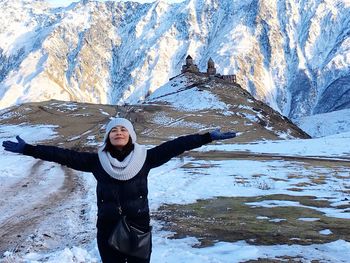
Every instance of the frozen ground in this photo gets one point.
(171, 184)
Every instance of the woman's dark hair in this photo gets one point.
(120, 154)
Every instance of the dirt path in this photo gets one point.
(27, 211)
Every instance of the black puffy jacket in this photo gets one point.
(132, 194)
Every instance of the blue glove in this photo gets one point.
(16, 147)
(218, 135)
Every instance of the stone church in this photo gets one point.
(190, 66)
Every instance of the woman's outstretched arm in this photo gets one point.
(165, 151)
(82, 161)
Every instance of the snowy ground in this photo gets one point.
(173, 184)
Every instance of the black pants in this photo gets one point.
(110, 255)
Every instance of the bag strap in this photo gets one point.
(120, 210)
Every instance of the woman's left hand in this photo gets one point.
(218, 135)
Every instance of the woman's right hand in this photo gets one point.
(16, 147)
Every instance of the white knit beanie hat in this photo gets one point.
(121, 122)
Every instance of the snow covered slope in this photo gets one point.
(325, 124)
(291, 54)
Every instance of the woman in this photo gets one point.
(120, 167)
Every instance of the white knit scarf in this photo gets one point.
(127, 168)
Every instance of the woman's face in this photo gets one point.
(119, 136)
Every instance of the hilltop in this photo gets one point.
(189, 103)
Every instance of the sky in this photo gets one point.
(57, 3)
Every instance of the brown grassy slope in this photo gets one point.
(159, 121)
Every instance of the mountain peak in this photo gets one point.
(112, 52)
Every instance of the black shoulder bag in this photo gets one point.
(130, 239)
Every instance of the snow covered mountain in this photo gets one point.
(291, 54)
